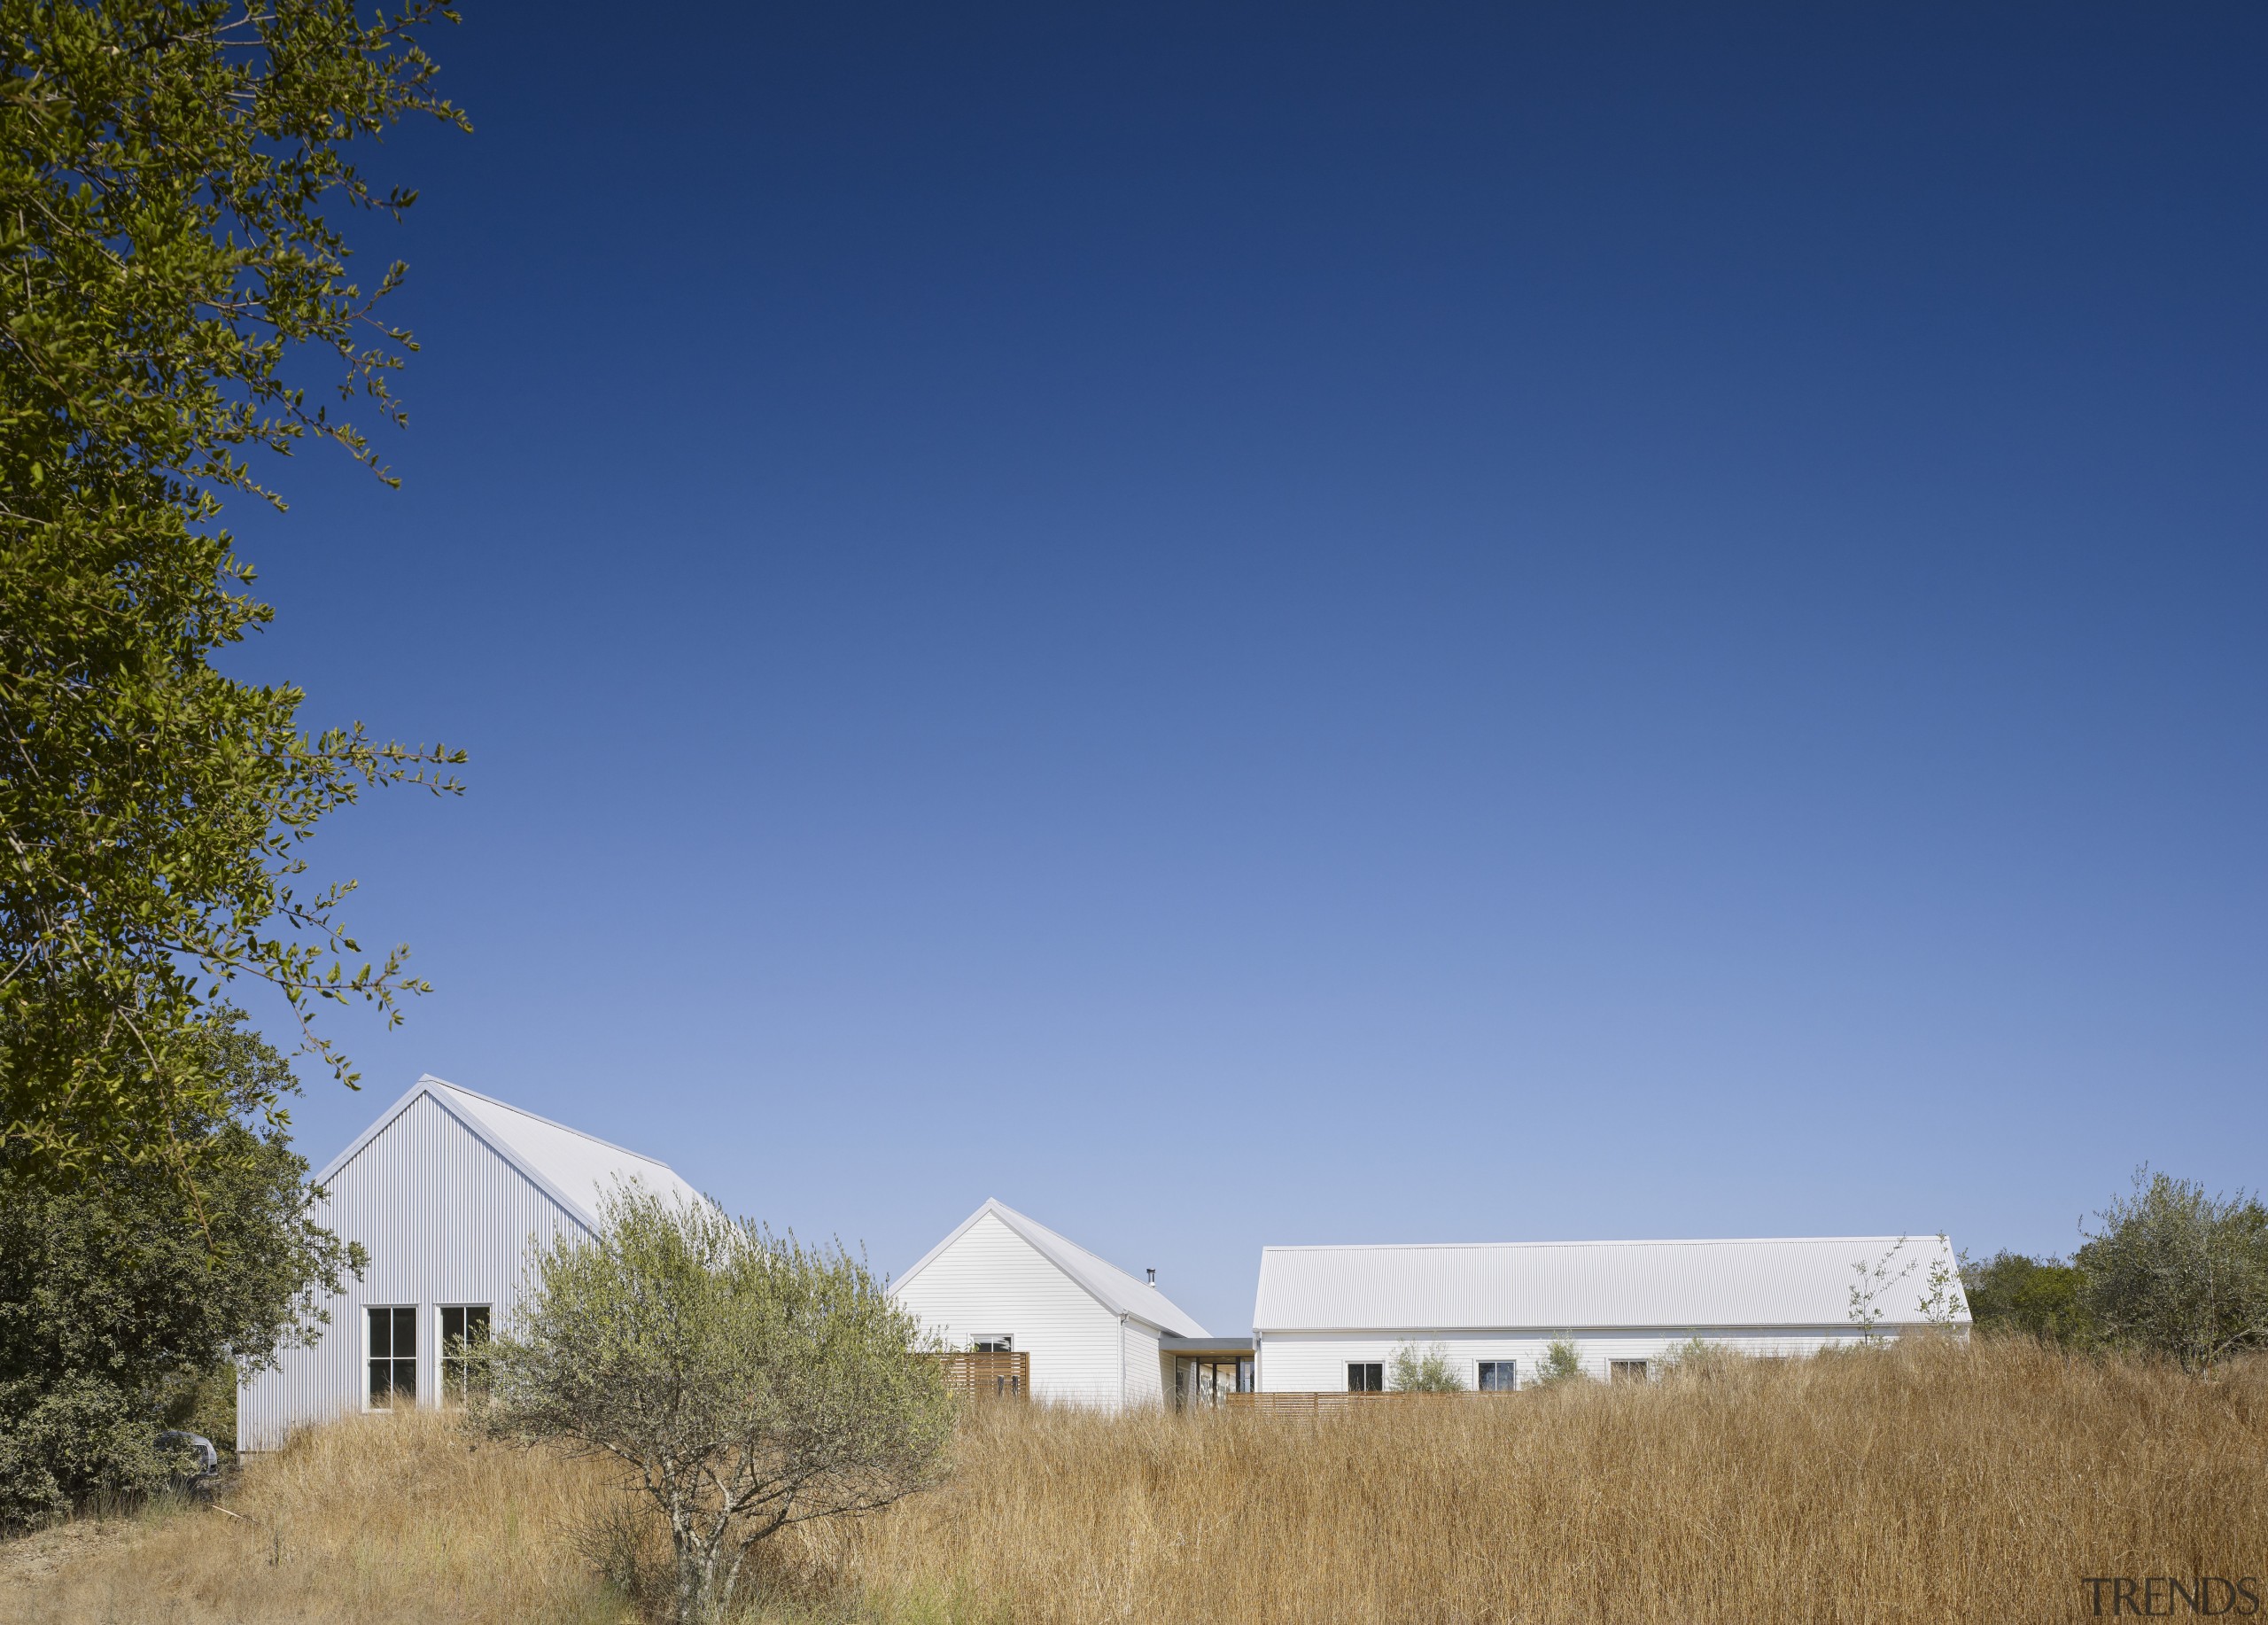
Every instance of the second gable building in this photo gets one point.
(1096, 1335)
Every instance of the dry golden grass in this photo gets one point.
(380, 1518)
(1930, 1482)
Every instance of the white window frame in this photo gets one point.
(416, 1355)
(1507, 1360)
(440, 1347)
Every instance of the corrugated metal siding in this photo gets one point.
(445, 1220)
(991, 1280)
(1307, 1362)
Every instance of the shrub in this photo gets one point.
(1561, 1362)
(751, 1384)
(2038, 1297)
(1423, 1371)
(127, 1297)
(2178, 1272)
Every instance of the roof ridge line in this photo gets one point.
(565, 1128)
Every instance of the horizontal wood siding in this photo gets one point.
(445, 1220)
(991, 1281)
(1317, 1361)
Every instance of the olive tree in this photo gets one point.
(1424, 1370)
(747, 1382)
(2178, 1271)
(1562, 1362)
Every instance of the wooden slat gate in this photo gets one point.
(988, 1376)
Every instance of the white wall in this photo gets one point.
(991, 1280)
(1144, 1370)
(445, 1220)
(1316, 1362)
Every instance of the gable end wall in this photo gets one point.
(445, 1220)
(992, 1280)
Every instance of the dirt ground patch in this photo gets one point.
(30, 1560)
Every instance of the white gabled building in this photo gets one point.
(1329, 1318)
(1094, 1335)
(450, 1193)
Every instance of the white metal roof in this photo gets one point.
(1551, 1286)
(577, 1170)
(1111, 1287)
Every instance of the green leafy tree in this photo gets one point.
(747, 1382)
(2011, 1293)
(2178, 1271)
(1423, 1371)
(126, 1303)
(176, 178)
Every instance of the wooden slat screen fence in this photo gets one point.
(1318, 1404)
(988, 1376)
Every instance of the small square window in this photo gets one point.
(1626, 1371)
(992, 1342)
(1498, 1376)
(1365, 1377)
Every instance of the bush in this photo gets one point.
(2038, 1297)
(127, 1298)
(2177, 1272)
(1423, 1371)
(751, 1384)
(1561, 1363)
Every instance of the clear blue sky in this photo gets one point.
(1256, 626)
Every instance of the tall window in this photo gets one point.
(1498, 1376)
(464, 1328)
(394, 1356)
(1365, 1377)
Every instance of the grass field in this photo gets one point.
(1934, 1483)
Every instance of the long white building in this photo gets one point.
(451, 1194)
(1331, 1319)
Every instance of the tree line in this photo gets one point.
(2171, 1269)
